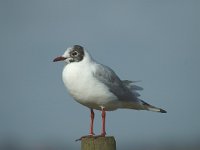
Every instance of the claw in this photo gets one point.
(91, 136)
(86, 136)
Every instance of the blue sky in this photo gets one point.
(157, 42)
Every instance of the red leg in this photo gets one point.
(103, 114)
(91, 121)
(103, 130)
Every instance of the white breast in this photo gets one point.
(81, 84)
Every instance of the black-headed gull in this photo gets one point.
(97, 86)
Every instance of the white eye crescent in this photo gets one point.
(75, 53)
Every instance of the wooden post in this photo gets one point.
(100, 143)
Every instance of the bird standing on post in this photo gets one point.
(97, 86)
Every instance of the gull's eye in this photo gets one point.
(75, 53)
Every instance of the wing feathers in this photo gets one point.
(108, 77)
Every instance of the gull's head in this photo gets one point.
(72, 54)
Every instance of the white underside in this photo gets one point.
(86, 89)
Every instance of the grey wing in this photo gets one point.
(131, 86)
(108, 77)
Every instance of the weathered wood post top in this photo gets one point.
(98, 143)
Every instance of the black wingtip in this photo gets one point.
(163, 111)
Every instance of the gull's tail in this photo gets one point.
(152, 108)
(140, 104)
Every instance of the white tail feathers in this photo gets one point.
(153, 108)
(156, 109)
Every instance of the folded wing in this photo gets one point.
(124, 90)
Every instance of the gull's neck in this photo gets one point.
(87, 57)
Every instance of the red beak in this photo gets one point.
(60, 58)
